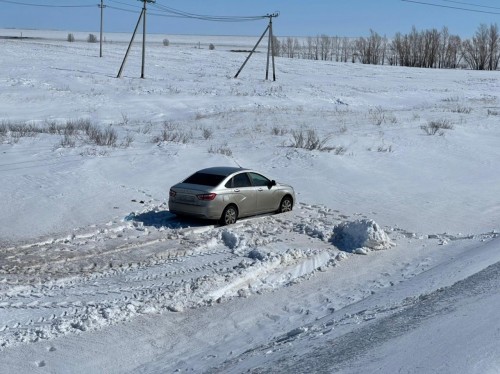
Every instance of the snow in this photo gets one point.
(360, 236)
(97, 276)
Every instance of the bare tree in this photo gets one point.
(335, 48)
(494, 47)
(427, 48)
(430, 48)
(346, 50)
(296, 47)
(92, 38)
(316, 43)
(454, 52)
(290, 47)
(444, 42)
(371, 50)
(403, 50)
(324, 47)
(431, 40)
(475, 51)
(276, 46)
(310, 48)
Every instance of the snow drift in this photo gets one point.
(360, 236)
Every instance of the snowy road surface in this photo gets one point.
(385, 340)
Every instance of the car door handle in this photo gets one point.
(237, 190)
(260, 189)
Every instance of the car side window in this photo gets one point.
(259, 180)
(241, 180)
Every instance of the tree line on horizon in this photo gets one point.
(429, 48)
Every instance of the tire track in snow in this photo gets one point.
(60, 286)
(85, 281)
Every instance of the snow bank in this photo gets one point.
(360, 236)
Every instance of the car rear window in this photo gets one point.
(205, 179)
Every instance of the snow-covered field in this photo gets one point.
(389, 262)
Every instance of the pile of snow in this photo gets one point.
(360, 236)
(230, 239)
(258, 254)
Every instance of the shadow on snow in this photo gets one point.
(165, 219)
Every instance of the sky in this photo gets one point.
(296, 17)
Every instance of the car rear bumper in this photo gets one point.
(198, 211)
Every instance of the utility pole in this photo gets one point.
(142, 17)
(144, 36)
(102, 6)
(270, 47)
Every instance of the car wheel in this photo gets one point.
(286, 205)
(229, 216)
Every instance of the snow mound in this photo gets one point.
(231, 239)
(258, 254)
(360, 236)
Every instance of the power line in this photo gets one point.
(74, 6)
(123, 10)
(164, 11)
(122, 3)
(204, 17)
(176, 13)
(47, 5)
(138, 9)
(450, 7)
(470, 4)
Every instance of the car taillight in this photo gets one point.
(207, 196)
(172, 193)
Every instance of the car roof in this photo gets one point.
(222, 170)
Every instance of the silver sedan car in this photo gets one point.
(229, 193)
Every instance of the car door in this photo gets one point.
(243, 194)
(266, 195)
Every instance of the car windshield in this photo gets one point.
(205, 179)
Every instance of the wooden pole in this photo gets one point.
(250, 55)
(102, 17)
(271, 37)
(130, 45)
(269, 45)
(143, 39)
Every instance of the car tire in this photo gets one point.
(229, 215)
(286, 205)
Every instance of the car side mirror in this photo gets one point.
(271, 184)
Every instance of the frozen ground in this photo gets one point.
(389, 261)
